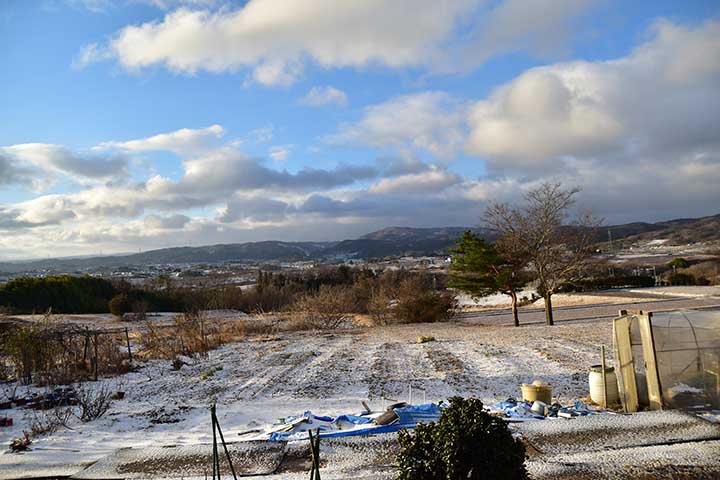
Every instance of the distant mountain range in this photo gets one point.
(392, 241)
(678, 232)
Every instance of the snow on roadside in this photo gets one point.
(681, 291)
(498, 299)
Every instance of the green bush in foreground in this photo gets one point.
(466, 443)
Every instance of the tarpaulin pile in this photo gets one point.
(398, 418)
(520, 411)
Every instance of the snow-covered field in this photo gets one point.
(260, 379)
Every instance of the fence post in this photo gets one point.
(202, 335)
(87, 346)
(127, 339)
(96, 356)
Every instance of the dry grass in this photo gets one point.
(194, 334)
(709, 270)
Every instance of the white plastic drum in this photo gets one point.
(596, 385)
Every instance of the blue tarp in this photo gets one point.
(414, 414)
(349, 425)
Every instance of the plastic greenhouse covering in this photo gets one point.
(687, 352)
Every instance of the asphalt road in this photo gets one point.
(577, 313)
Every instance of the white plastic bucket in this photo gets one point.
(595, 380)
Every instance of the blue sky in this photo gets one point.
(146, 123)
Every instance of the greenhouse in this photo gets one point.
(668, 359)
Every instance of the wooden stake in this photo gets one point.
(127, 339)
(604, 380)
(651, 368)
(96, 356)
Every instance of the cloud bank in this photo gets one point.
(275, 44)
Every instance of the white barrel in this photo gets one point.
(596, 385)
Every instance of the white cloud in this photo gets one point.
(253, 208)
(276, 73)
(170, 222)
(321, 96)
(540, 27)
(13, 174)
(56, 159)
(90, 53)
(44, 210)
(209, 179)
(182, 141)
(94, 6)
(169, 4)
(425, 182)
(431, 121)
(274, 40)
(262, 135)
(280, 152)
(660, 101)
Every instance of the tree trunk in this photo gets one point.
(513, 303)
(548, 310)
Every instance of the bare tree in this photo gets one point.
(558, 249)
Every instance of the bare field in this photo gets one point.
(257, 380)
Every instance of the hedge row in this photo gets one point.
(68, 294)
(607, 283)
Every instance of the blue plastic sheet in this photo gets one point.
(350, 425)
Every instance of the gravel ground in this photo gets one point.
(604, 432)
(684, 461)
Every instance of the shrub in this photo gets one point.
(681, 279)
(54, 353)
(707, 271)
(50, 421)
(120, 304)
(421, 307)
(678, 263)
(189, 334)
(466, 443)
(328, 308)
(380, 307)
(607, 283)
(93, 400)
